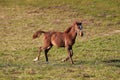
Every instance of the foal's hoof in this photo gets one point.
(72, 63)
(63, 60)
(47, 62)
(36, 59)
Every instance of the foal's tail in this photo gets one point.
(37, 33)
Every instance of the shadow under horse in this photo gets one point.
(64, 39)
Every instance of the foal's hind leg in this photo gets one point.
(39, 50)
(45, 49)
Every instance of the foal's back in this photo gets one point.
(57, 38)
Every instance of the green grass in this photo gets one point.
(94, 59)
(96, 55)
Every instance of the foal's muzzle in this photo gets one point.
(81, 33)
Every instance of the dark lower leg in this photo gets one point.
(46, 57)
(70, 54)
(46, 51)
(70, 57)
(67, 58)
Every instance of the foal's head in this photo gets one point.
(78, 28)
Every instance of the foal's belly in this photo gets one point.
(58, 43)
(58, 40)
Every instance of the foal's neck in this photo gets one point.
(72, 32)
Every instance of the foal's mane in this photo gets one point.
(68, 29)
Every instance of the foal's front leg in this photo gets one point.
(67, 58)
(70, 54)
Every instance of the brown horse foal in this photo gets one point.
(60, 39)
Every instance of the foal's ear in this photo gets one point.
(74, 22)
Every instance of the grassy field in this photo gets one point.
(96, 55)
